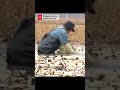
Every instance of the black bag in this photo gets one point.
(44, 36)
(21, 48)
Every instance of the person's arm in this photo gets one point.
(63, 38)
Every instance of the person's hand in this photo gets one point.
(68, 49)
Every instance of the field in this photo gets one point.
(11, 79)
(61, 65)
(104, 73)
(105, 30)
(42, 27)
(104, 25)
(11, 14)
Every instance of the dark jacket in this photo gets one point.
(21, 49)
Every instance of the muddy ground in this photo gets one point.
(61, 65)
(13, 80)
(104, 74)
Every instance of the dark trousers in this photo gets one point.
(48, 45)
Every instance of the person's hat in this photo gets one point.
(69, 26)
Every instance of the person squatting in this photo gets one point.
(57, 39)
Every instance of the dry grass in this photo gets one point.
(11, 13)
(41, 29)
(104, 25)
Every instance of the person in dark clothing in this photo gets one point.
(57, 38)
(21, 48)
